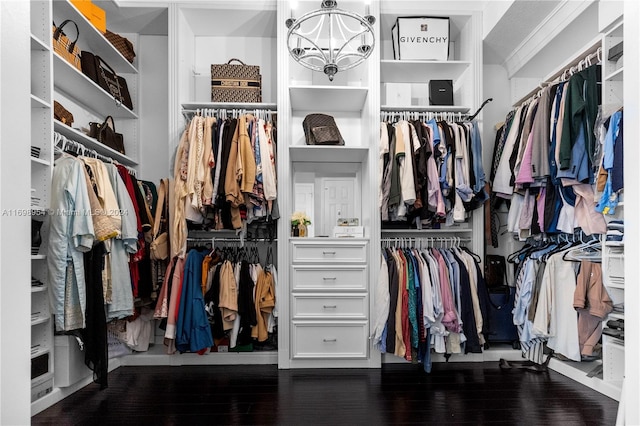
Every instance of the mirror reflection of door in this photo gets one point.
(304, 203)
(338, 200)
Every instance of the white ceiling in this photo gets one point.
(513, 27)
(149, 18)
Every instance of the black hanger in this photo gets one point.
(480, 109)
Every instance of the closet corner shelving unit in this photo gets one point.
(53, 78)
(42, 345)
(613, 253)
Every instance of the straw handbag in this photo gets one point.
(63, 45)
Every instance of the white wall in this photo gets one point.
(15, 293)
(154, 157)
(496, 85)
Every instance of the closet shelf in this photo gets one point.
(328, 98)
(616, 315)
(327, 154)
(430, 108)
(93, 40)
(617, 75)
(38, 352)
(40, 161)
(38, 256)
(91, 143)
(394, 71)
(40, 319)
(37, 102)
(38, 288)
(427, 232)
(78, 86)
(37, 44)
(616, 284)
(192, 106)
(41, 379)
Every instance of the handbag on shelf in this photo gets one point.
(495, 271)
(63, 45)
(321, 129)
(103, 75)
(159, 247)
(106, 134)
(236, 83)
(61, 114)
(124, 46)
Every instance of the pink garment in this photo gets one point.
(526, 215)
(162, 305)
(450, 318)
(591, 221)
(174, 303)
(593, 304)
(525, 174)
(541, 199)
(435, 199)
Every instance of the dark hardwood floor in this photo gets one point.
(454, 393)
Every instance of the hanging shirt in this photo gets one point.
(121, 304)
(381, 302)
(71, 234)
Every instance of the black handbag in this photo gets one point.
(321, 129)
(103, 75)
(495, 271)
(106, 134)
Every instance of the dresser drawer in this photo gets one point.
(329, 278)
(313, 306)
(330, 253)
(329, 340)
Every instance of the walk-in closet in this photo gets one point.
(313, 190)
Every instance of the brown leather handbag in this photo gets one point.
(124, 46)
(321, 129)
(107, 135)
(62, 114)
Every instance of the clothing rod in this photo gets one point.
(228, 240)
(229, 105)
(426, 115)
(426, 239)
(228, 110)
(590, 53)
(65, 145)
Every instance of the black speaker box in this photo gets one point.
(441, 92)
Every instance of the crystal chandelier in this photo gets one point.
(330, 39)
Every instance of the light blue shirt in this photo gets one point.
(121, 305)
(70, 235)
(609, 200)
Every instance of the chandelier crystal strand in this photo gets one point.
(330, 55)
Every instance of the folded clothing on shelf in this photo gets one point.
(617, 324)
(613, 332)
(615, 231)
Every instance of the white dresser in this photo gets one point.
(329, 300)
